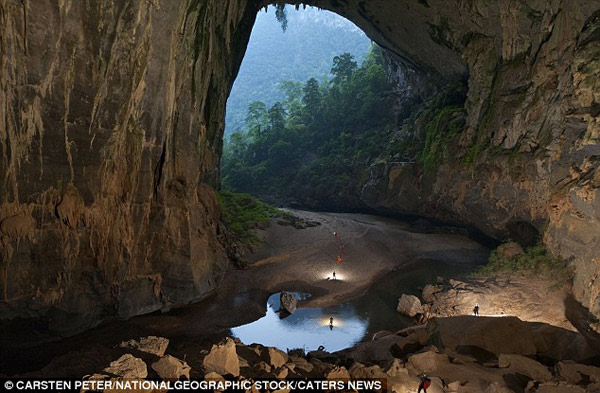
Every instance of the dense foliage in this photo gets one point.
(317, 140)
(533, 260)
(242, 213)
(304, 50)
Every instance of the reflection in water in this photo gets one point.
(353, 321)
(307, 328)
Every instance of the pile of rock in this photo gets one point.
(459, 354)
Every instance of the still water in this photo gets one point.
(353, 321)
(306, 328)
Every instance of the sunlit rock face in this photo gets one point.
(111, 118)
(110, 136)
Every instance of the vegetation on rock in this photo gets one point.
(243, 213)
(533, 260)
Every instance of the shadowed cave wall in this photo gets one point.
(111, 119)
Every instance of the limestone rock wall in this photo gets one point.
(530, 149)
(111, 114)
(111, 118)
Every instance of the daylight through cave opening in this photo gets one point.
(315, 106)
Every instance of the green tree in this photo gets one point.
(256, 119)
(277, 117)
(343, 68)
(311, 99)
(316, 143)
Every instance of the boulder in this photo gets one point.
(360, 371)
(321, 367)
(288, 302)
(262, 369)
(128, 366)
(560, 387)
(574, 373)
(429, 293)
(283, 373)
(409, 305)
(526, 366)
(495, 335)
(151, 344)
(397, 369)
(407, 345)
(496, 387)
(428, 361)
(456, 283)
(301, 365)
(275, 357)
(437, 385)
(338, 373)
(454, 386)
(251, 354)
(169, 367)
(213, 376)
(509, 250)
(223, 359)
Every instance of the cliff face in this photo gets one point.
(110, 121)
(528, 153)
(111, 118)
(525, 158)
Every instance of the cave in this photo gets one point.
(112, 118)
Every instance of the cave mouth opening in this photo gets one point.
(318, 109)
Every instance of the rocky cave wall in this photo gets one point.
(112, 116)
(530, 149)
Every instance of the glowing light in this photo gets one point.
(338, 276)
(337, 323)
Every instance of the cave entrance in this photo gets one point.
(311, 109)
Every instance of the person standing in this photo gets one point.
(476, 310)
(424, 383)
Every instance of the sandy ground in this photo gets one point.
(303, 260)
(290, 259)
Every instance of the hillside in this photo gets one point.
(312, 38)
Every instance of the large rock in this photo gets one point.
(559, 387)
(397, 369)
(222, 359)
(498, 335)
(251, 354)
(575, 373)
(151, 344)
(275, 357)
(128, 366)
(409, 305)
(429, 292)
(338, 373)
(526, 366)
(509, 250)
(300, 365)
(428, 361)
(496, 387)
(171, 368)
(288, 302)
(360, 371)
